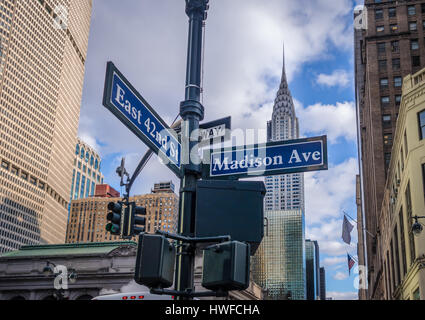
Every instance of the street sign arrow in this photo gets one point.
(135, 113)
(274, 158)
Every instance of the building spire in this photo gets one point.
(283, 102)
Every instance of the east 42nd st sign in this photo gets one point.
(136, 114)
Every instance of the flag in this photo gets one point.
(346, 230)
(351, 263)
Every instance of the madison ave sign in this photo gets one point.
(273, 158)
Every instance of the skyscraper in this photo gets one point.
(86, 174)
(43, 50)
(312, 269)
(322, 284)
(279, 263)
(285, 192)
(391, 46)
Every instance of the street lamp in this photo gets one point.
(417, 227)
(48, 270)
(72, 276)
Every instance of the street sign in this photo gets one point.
(215, 129)
(135, 113)
(274, 158)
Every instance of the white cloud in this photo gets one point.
(343, 295)
(329, 192)
(339, 78)
(340, 276)
(239, 56)
(336, 121)
(331, 261)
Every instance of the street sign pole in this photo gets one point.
(192, 112)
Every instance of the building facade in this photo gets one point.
(100, 268)
(322, 283)
(279, 266)
(41, 79)
(88, 216)
(401, 252)
(285, 192)
(391, 46)
(312, 266)
(87, 171)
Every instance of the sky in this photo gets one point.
(244, 43)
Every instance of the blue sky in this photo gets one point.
(243, 63)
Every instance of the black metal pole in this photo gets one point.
(191, 111)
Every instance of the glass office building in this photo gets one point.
(87, 171)
(312, 270)
(279, 263)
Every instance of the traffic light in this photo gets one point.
(114, 216)
(133, 223)
(126, 219)
(138, 221)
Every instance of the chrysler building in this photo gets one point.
(285, 192)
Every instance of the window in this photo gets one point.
(395, 46)
(33, 180)
(406, 145)
(384, 83)
(392, 12)
(416, 61)
(397, 82)
(24, 175)
(385, 101)
(416, 295)
(382, 65)
(402, 241)
(397, 255)
(15, 170)
(423, 176)
(386, 121)
(398, 100)
(379, 14)
(421, 117)
(381, 48)
(408, 197)
(77, 150)
(388, 139)
(411, 10)
(5, 165)
(396, 64)
(413, 26)
(393, 27)
(414, 44)
(387, 160)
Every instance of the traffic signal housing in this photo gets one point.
(114, 216)
(155, 261)
(125, 219)
(226, 266)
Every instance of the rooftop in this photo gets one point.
(66, 249)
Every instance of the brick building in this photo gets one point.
(390, 47)
(88, 216)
